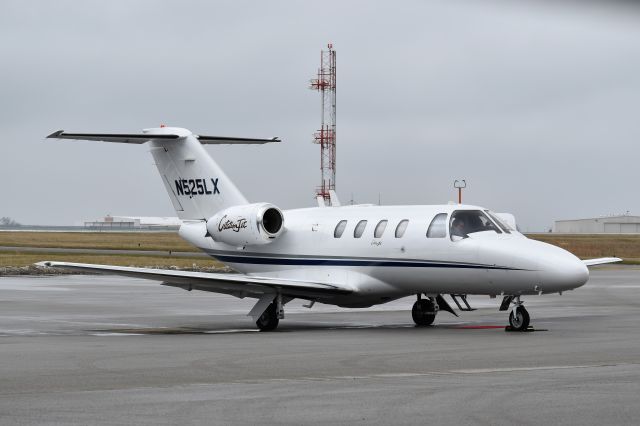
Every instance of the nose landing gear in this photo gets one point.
(519, 317)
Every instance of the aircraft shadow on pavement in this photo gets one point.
(295, 327)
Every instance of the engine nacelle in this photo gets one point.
(247, 225)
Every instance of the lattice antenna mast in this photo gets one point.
(325, 83)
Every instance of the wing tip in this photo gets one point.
(55, 135)
(602, 261)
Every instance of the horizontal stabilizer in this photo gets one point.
(602, 261)
(110, 137)
(209, 140)
(140, 138)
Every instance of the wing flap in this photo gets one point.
(228, 283)
(601, 261)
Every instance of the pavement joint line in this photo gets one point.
(323, 379)
(341, 378)
(518, 369)
(436, 373)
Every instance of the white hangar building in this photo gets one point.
(623, 224)
(133, 222)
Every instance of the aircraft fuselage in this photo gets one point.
(382, 266)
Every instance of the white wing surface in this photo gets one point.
(238, 285)
(601, 261)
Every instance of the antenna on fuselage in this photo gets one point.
(460, 185)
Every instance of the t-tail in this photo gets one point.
(197, 186)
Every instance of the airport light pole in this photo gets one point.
(460, 185)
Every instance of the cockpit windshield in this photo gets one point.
(465, 222)
(502, 224)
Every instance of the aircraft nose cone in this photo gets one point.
(561, 270)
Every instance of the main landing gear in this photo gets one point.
(424, 311)
(269, 319)
(519, 316)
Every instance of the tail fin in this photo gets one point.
(197, 186)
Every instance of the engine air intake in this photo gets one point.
(272, 220)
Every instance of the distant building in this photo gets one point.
(623, 224)
(133, 222)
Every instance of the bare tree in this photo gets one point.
(7, 221)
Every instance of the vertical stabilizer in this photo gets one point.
(197, 186)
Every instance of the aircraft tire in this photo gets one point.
(268, 321)
(519, 321)
(423, 312)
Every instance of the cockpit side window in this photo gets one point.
(465, 222)
(438, 226)
(502, 225)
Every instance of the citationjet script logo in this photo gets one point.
(235, 225)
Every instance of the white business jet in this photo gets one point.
(349, 256)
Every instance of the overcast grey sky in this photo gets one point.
(535, 104)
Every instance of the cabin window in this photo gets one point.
(465, 222)
(340, 227)
(438, 226)
(357, 233)
(380, 227)
(402, 226)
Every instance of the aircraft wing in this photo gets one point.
(601, 261)
(238, 285)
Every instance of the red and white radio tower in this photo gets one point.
(325, 83)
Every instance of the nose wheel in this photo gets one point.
(519, 316)
(519, 319)
(424, 312)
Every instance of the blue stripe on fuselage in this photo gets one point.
(350, 262)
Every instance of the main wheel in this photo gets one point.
(423, 312)
(269, 319)
(519, 319)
